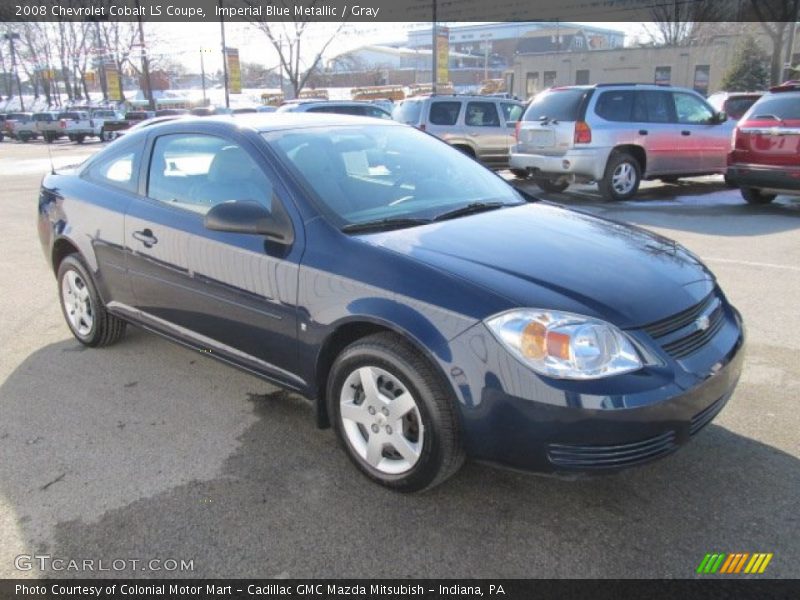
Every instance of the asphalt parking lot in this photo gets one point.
(147, 450)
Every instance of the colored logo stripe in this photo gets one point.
(734, 563)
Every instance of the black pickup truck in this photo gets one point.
(113, 127)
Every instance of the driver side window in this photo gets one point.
(196, 172)
(691, 110)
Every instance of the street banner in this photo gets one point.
(234, 71)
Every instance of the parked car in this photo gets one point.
(2, 126)
(100, 116)
(114, 127)
(44, 124)
(172, 112)
(617, 135)
(765, 158)
(733, 104)
(353, 107)
(336, 257)
(266, 108)
(480, 126)
(15, 120)
(77, 125)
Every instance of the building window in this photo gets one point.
(579, 42)
(663, 75)
(582, 77)
(549, 79)
(702, 73)
(531, 84)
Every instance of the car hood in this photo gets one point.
(544, 256)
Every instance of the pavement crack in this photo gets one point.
(49, 483)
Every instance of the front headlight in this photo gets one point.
(565, 345)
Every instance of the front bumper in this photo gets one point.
(513, 417)
(589, 163)
(778, 179)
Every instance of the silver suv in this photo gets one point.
(480, 126)
(617, 135)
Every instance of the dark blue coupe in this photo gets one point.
(429, 310)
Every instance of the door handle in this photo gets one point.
(643, 132)
(685, 132)
(146, 237)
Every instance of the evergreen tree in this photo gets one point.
(749, 69)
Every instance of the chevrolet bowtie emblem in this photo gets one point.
(703, 323)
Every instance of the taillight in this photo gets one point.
(516, 130)
(62, 123)
(583, 133)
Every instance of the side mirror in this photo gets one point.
(721, 117)
(247, 216)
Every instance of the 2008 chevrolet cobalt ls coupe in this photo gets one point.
(429, 310)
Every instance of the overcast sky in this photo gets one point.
(182, 41)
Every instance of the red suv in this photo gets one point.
(765, 157)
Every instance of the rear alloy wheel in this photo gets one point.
(83, 309)
(756, 196)
(553, 185)
(392, 414)
(622, 177)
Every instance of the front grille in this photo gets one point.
(680, 344)
(705, 416)
(621, 455)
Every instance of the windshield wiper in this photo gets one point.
(469, 209)
(384, 224)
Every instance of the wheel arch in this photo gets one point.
(62, 248)
(638, 152)
(351, 330)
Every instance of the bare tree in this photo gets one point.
(675, 22)
(776, 17)
(286, 39)
(119, 40)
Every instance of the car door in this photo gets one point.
(654, 122)
(231, 294)
(488, 136)
(705, 141)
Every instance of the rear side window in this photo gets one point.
(117, 170)
(615, 105)
(408, 111)
(511, 112)
(444, 113)
(738, 105)
(784, 106)
(560, 104)
(652, 107)
(482, 114)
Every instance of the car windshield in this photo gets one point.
(360, 174)
(783, 105)
(408, 111)
(559, 104)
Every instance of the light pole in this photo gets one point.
(203, 72)
(145, 65)
(434, 52)
(11, 36)
(224, 56)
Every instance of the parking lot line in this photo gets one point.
(750, 263)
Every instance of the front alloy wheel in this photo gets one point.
(394, 414)
(381, 420)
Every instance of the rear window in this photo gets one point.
(445, 113)
(783, 105)
(559, 104)
(615, 106)
(69, 115)
(737, 106)
(408, 111)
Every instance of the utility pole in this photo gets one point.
(787, 69)
(11, 36)
(434, 52)
(145, 66)
(100, 61)
(485, 60)
(203, 72)
(224, 55)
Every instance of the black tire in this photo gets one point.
(730, 182)
(79, 139)
(615, 161)
(520, 173)
(104, 135)
(669, 179)
(442, 453)
(552, 185)
(24, 138)
(756, 196)
(105, 328)
(48, 138)
(465, 150)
